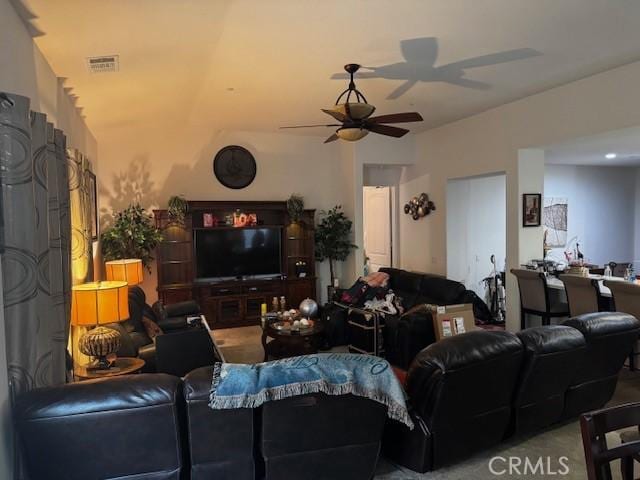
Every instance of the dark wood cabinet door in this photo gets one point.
(175, 295)
(252, 306)
(230, 311)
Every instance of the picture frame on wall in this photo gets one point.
(531, 209)
(93, 202)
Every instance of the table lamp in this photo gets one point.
(128, 270)
(92, 305)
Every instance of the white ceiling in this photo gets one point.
(180, 58)
(593, 150)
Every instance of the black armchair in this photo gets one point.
(192, 349)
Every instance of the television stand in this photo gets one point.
(234, 302)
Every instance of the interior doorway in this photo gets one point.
(476, 229)
(378, 221)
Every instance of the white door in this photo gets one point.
(377, 226)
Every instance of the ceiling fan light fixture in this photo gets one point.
(352, 134)
(355, 111)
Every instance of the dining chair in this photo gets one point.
(534, 297)
(598, 456)
(626, 299)
(583, 294)
(619, 269)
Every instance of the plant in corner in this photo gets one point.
(333, 237)
(177, 208)
(295, 207)
(132, 235)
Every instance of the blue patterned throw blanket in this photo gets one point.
(249, 386)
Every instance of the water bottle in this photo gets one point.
(607, 271)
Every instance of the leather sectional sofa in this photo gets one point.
(466, 393)
(158, 427)
(471, 391)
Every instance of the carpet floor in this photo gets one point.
(243, 345)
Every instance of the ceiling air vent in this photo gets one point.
(104, 64)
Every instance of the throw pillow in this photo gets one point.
(151, 327)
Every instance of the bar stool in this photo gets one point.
(583, 294)
(534, 297)
(626, 298)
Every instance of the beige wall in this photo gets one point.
(149, 167)
(492, 142)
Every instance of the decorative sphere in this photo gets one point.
(308, 308)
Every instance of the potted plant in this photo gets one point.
(333, 238)
(295, 207)
(177, 208)
(132, 235)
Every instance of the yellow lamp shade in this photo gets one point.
(128, 270)
(97, 303)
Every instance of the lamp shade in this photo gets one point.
(352, 134)
(128, 270)
(98, 303)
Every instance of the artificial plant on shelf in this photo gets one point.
(177, 208)
(333, 237)
(295, 207)
(132, 235)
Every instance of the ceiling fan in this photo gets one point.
(355, 117)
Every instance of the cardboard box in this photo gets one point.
(451, 320)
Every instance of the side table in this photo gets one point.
(122, 366)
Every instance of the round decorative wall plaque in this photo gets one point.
(234, 167)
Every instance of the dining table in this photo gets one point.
(557, 284)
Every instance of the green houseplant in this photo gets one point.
(295, 207)
(333, 237)
(132, 235)
(177, 208)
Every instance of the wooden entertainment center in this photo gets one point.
(233, 303)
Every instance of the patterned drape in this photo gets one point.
(36, 247)
(81, 244)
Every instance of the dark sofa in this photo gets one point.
(466, 393)
(157, 427)
(473, 390)
(405, 336)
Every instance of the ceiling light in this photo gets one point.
(352, 134)
(610, 156)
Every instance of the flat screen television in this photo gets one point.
(237, 252)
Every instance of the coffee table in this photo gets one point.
(290, 343)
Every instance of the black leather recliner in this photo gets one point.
(460, 389)
(609, 339)
(221, 442)
(122, 427)
(134, 340)
(319, 437)
(552, 354)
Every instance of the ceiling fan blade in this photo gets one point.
(397, 118)
(337, 115)
(311, 126)
(332, 138)
(387, 130)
